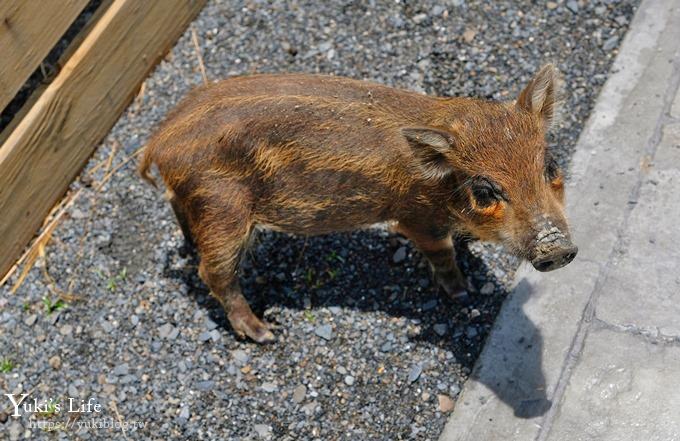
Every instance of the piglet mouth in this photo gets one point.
(553, 250)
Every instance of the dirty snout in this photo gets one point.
(553, 249)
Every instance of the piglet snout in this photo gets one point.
(553, 251)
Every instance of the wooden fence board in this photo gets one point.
(28, 30)
(55, 138)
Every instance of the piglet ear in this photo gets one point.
(541, 95)
(431, 148)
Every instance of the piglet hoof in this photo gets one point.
(263, 336)
(251, 327)
(455, 289)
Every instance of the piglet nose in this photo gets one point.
(557, 258)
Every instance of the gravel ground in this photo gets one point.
(367, 348)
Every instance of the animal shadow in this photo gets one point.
(513, 362)
(369, 271)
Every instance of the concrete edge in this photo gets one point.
(481, 405)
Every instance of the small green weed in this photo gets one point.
(51, 306)
(7, 366)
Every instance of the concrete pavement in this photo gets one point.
(592, 351)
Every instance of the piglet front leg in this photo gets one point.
(440, 253)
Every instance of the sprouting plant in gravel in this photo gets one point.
(309, 316)
(122, 275)
(335, 256)
(51, 306)
(7, 365)
(311, 279)
(332, 273)
(50, 409)
(26, 306)
(112, 281)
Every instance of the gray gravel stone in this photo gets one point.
(106, 326)
(324, 331)
(121, 369)
(471, 332)
(309, 408)
(205, 385)
(440, 329)
(76, 213)
(15, 430)
(30, 320)
(269, 387)
(215, 335)
(573, 6)
(430, 304)
(299, 393)
(414, 373)
(488, 288)
(349, 380)
(263, 430)
(621, 20)
(399, 255)
(166, 331)
(184, 415)
(610, 44)
(128, 379)
(241, 357)
(419, 18)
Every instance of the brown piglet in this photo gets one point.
(313, 154)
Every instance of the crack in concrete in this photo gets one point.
(653, 336)
(588, 315)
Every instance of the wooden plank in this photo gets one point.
(28, 30)
(73, 45)
(55, 138)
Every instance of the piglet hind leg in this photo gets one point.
(221, 231)
(183, 221)
(241, 318)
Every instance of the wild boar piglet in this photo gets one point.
(313, 154)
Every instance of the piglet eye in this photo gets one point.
(486, 192)
(483, 195)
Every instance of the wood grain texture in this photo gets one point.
(28, 30)
(54, 139)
